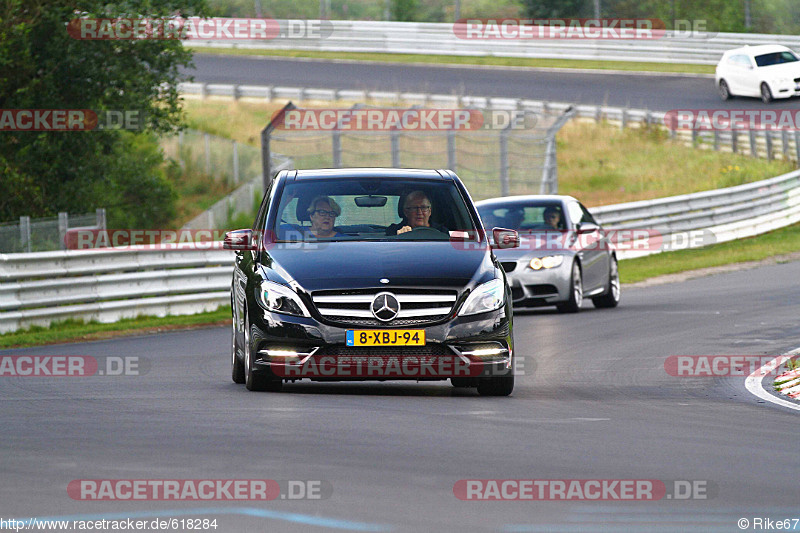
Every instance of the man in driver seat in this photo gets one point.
(416, 214)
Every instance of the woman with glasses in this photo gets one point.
(322, 213)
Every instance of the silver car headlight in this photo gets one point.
(280, 299)
(550, 261)
(486, 297)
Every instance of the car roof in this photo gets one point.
(402, 173)
(758, 49)
(524, 199)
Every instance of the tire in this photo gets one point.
(498, 386)
(613, 291)
(254, 381)
(724, 90)
(573, 305)
(766, 94)
(463, 382)
(237, 366)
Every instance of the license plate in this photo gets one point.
(383, 337)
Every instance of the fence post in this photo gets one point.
(734, 140)
(207, 145)
(25, 233)
(624, 119)
(235, 163)
(504, 185)
(797, 146)
(336, 146)
(598, 114)
(100, 216)
(394, 138)
(753, 146)
(768, 140)
(716, 140)
(63, 226)
(451, 150)
(785, 140)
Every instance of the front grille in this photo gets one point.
(354, 307)
(509, 266)
(384, 351)
(541, 290)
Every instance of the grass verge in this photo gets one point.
(469, 60)
(774, 243)
(78, 331)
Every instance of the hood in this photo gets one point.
(350, 265)
(785, 70)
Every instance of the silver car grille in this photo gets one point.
(417, 306)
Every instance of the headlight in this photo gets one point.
(486, 297)
(280, 299)
(550, 261)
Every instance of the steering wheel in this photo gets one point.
(421, 232)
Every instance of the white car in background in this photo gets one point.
(767, 71)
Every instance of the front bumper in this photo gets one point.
(547, 286)
(290, 348)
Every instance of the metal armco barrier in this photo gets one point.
(422, 38)
(109, 284)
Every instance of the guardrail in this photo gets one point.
(109, 284)
(421, 38)
(707, 217)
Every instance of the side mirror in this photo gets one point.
(587, 227)
(240, 239)
(505, 238)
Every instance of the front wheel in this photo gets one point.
(724, 90)
(252, 380)
(766, 93)
(498, 386)
(612, 294)
(237, 367)
(573, 305)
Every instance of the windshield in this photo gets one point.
(359, 209)
(541, 216)
(775, 58)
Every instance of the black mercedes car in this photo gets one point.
(370, 274)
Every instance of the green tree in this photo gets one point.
(43, 67)
(405, 10)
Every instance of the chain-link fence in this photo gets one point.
(493, 160)
(45, 234)
(221, 158)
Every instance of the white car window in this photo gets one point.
(575, 212)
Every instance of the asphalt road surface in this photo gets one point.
(595, 402)
(640, 91)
